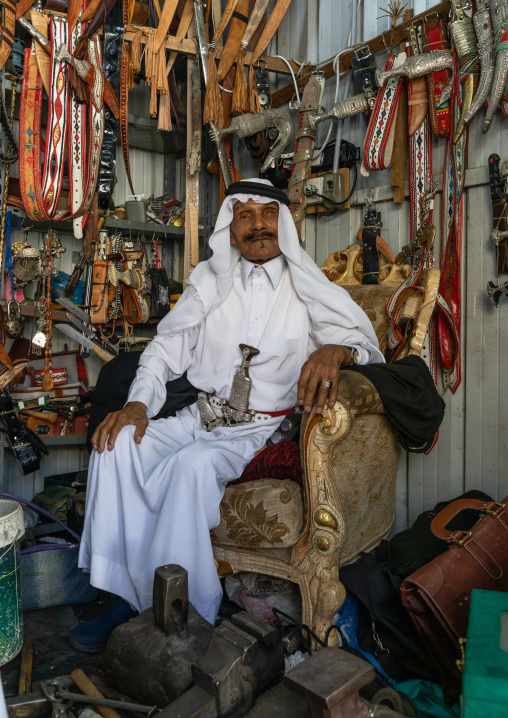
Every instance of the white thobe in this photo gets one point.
(154, 503)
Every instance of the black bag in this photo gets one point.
(165, 292)
(385, 628)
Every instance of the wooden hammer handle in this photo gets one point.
(52, 416)
(86, 686)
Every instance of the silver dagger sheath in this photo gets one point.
(485, 36)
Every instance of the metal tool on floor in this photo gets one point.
(150, 657)
(172, 657)
(58, 695)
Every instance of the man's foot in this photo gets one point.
(92, 637)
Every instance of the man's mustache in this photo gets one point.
(253, 236)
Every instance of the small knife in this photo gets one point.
(84, 341)
(87, 331)
(74, 309)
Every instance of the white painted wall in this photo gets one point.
(472, 449)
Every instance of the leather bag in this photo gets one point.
(437, 596)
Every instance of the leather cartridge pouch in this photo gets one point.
(437, 596)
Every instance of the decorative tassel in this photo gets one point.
(213, 105)
(153, 100)
(254, 104)
(136, 52)
(164, 119)
(240, 103)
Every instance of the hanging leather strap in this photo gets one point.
(236, 31)
(165, 18)
(271, 27)
(226, 17)
(451, 248)
(378, 145)
(435, 37)
(371, 226)
(418, 98)
(191, 246)
(304, 149)
(257, 15)
(7, 30)
(183, 27)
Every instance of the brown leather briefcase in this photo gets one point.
(437, 596)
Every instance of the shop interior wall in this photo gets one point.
(472, 450)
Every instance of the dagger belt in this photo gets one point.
(216, 412)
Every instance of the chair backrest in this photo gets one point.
(373, 299)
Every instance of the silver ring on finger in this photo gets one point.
(326, 384)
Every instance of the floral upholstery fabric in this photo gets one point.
(373, 299)
(260, 514)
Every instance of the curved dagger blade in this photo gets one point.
(468, 91)
(496, 92)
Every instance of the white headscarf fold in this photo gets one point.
(329, 305)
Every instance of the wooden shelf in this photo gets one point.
(123, 225)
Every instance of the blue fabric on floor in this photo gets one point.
(347, 620)
(428, 699)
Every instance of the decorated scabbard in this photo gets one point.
(420, 65)
(485, 38)
(250, 124)
(499, 14)
(464, 40)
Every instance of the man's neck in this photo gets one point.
(261, 261)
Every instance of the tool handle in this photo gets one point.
(102, 353)
(86, 686)
(52, 417)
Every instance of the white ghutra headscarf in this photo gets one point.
(329, 305)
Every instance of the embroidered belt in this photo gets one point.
(225, 415)
(451, 251)
(378, 146)
(418, 97)
(40, 194)
(435, 38)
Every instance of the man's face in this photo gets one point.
(255, 229)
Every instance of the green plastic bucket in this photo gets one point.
(12, 528)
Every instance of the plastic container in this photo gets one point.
(12, 528)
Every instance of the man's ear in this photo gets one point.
(232, 237)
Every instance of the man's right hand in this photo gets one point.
(133, 413)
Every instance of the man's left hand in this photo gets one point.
(322, 365)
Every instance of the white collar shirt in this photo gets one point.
(262, 310)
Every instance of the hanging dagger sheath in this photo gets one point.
(419, 65)
(485, 37)
(250, 124)
(499, 14)
(464, 40)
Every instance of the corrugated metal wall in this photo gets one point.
(472, 449)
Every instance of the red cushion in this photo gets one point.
(277, 461)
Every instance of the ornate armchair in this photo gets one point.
(349, 457)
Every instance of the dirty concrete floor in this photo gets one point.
(53, 655)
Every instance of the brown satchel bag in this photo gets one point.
(437, 596)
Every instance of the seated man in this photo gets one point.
(155, 487)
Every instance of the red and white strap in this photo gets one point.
(378, 145)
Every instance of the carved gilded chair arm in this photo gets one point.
(430, 282)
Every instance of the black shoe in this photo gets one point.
(92, 637)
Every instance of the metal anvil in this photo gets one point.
(150, 657)
(244, 658)
(325, 685)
